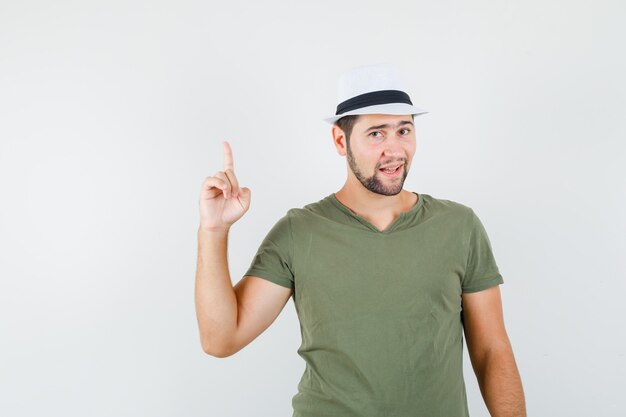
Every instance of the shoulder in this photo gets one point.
(322, 208)
(447, 209)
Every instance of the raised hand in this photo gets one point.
(222, 201)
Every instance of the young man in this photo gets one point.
(384, 280)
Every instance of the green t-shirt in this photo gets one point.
(380, 312)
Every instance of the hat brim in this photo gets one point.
(390, 108)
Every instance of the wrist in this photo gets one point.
(214, 229)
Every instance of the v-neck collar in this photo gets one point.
(396, 224)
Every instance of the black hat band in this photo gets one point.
(373, 98)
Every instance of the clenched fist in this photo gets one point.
(222, 201)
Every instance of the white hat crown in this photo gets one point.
(367, 78)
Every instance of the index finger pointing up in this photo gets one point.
(228, 157)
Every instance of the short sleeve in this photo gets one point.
(273, 259)
(481, 271)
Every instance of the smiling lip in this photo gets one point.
(395, 174)
(390, 166)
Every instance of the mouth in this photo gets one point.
(392, 171)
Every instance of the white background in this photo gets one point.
(112, 114)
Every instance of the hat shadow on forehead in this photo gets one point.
(372, 89)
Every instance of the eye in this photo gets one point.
(373, 134)
(407, 131)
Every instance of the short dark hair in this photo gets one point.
(346, 124)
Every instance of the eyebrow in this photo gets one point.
(385, 126)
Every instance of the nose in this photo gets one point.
(394, 147)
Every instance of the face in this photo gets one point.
(378, 141)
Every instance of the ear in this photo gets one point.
(339, 140)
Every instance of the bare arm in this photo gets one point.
(230, 318)
(216, 303)
(491, 354)
(500, 384)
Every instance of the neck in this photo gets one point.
(374, 206)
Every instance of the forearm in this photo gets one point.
(216, 302)
(500, 384)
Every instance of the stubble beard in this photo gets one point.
(374, 183)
